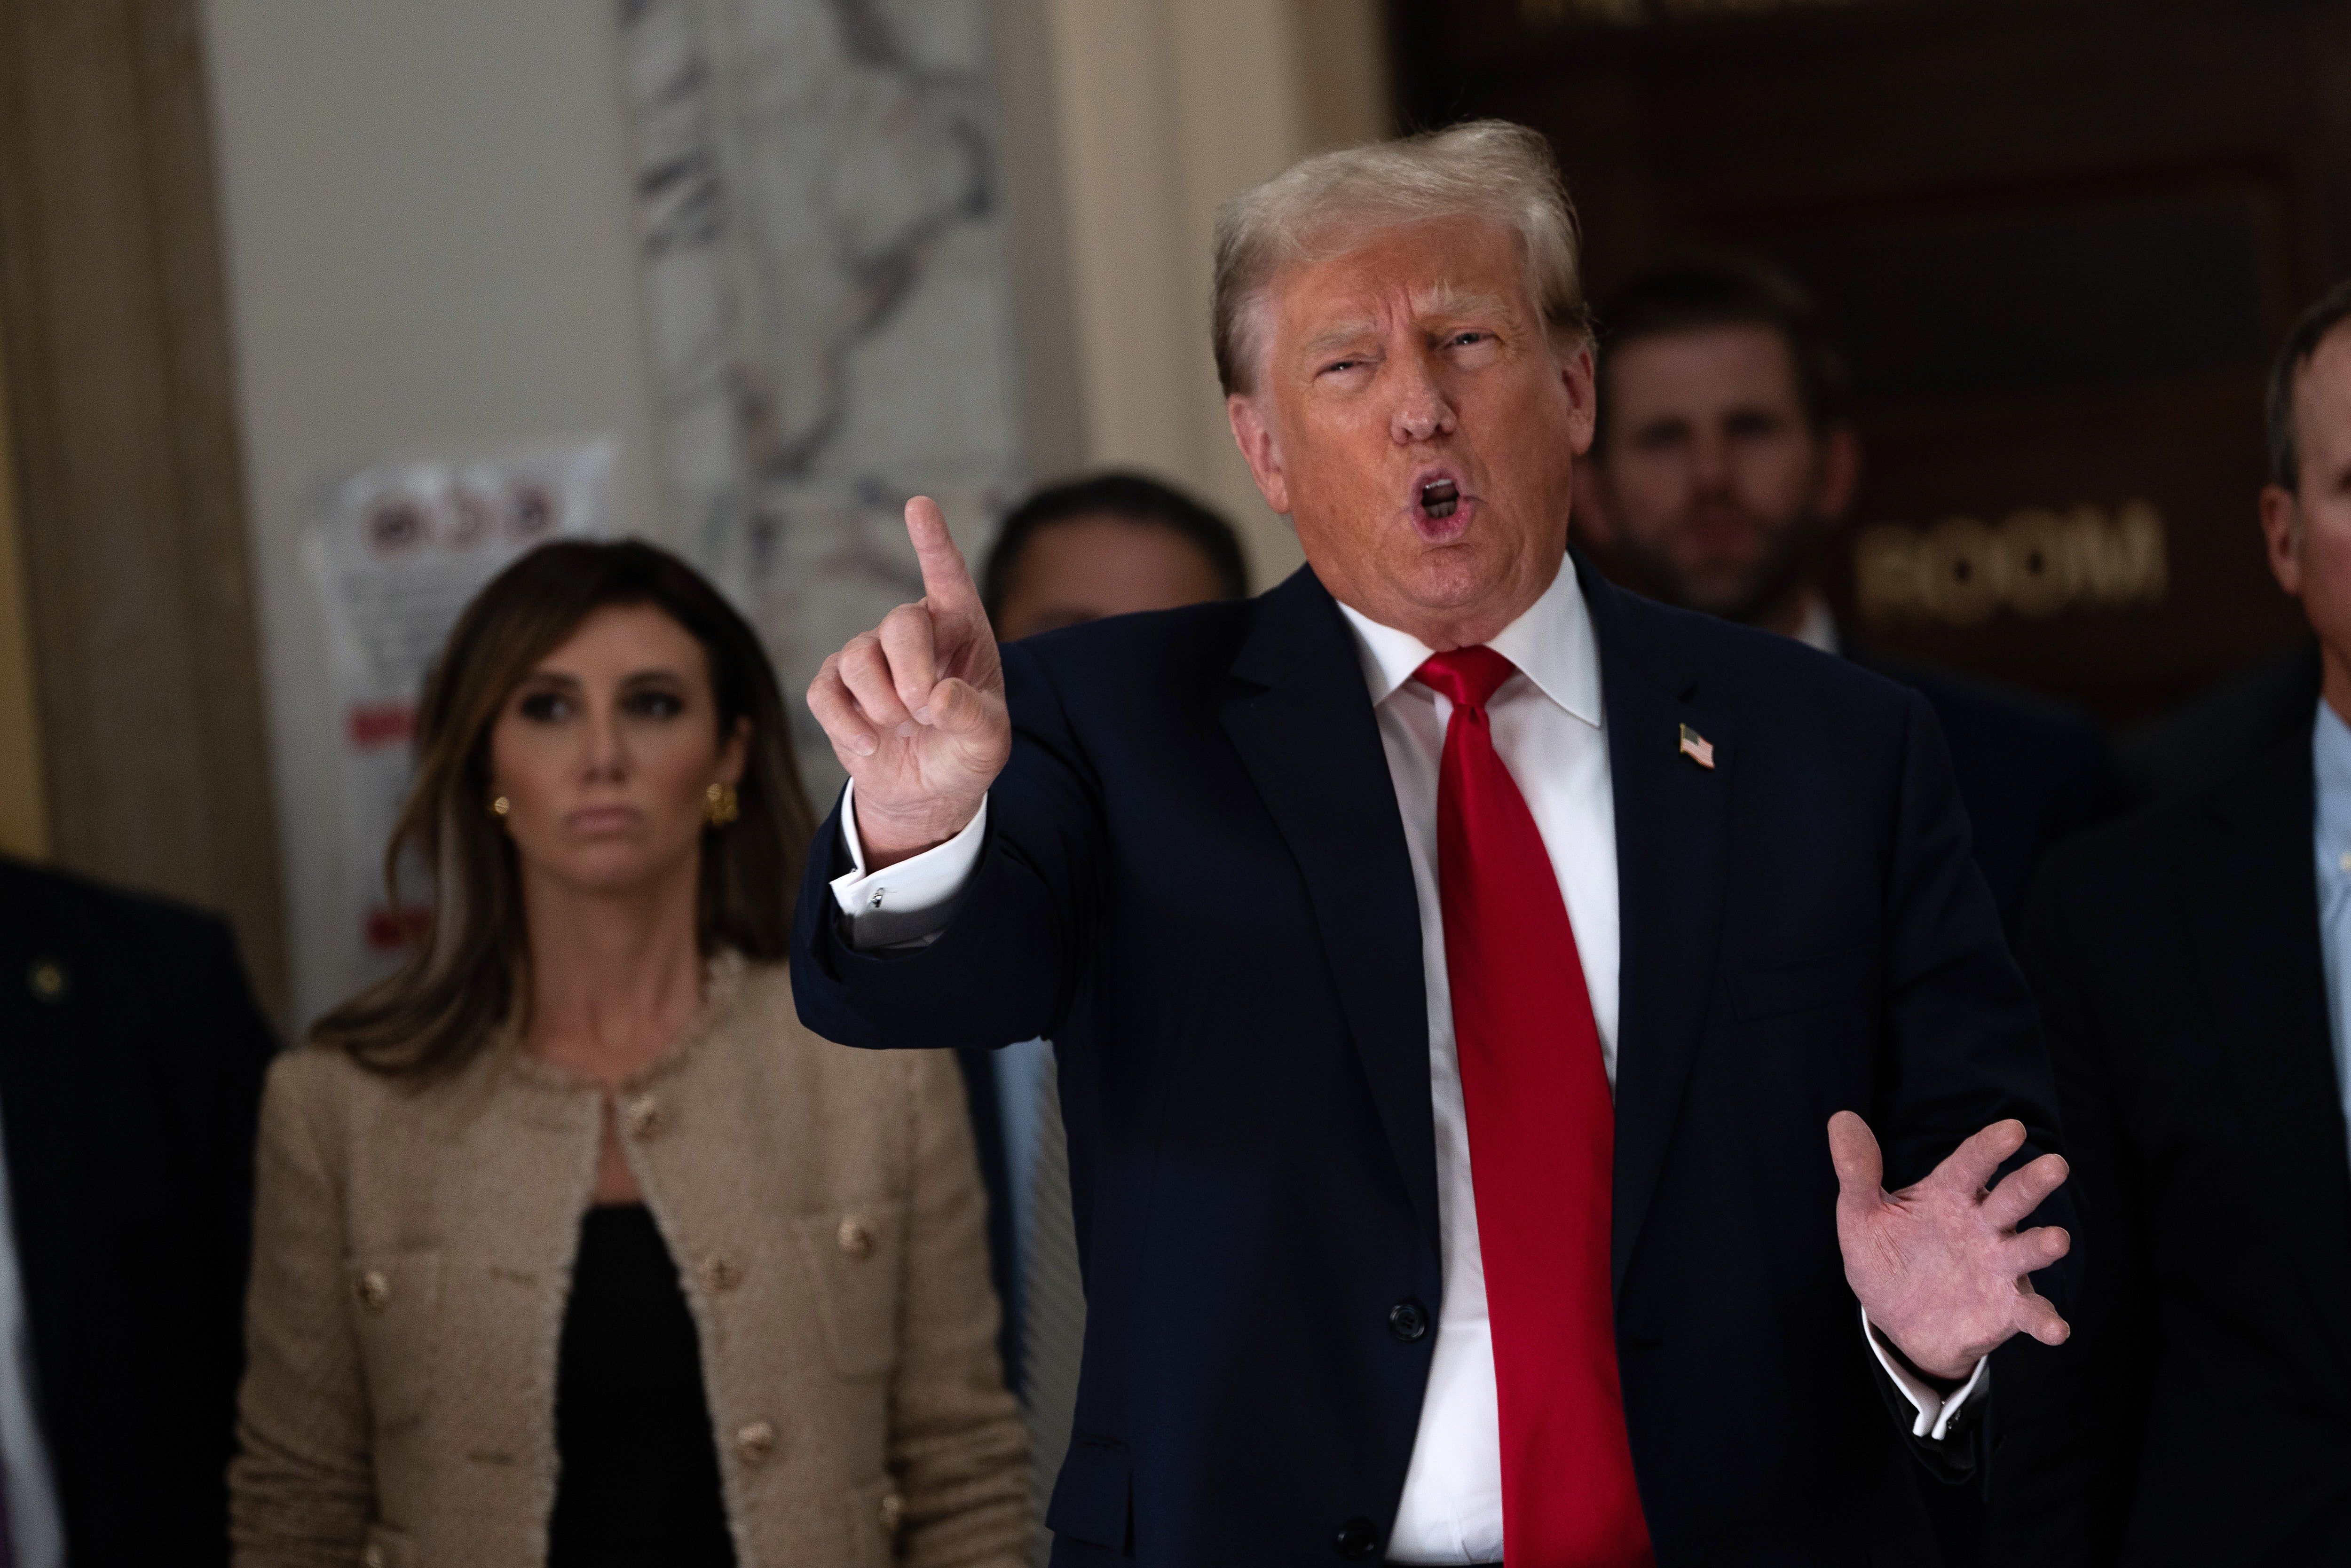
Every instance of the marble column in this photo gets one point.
(829, 303)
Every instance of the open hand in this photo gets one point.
(914, 708)
(1939, 1267)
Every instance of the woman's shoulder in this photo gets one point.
(316, 1074)
(325, 1084)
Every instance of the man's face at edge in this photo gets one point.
(1712, 488)
(1415, 421)
(2308, 529)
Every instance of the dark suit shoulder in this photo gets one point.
(2201, 741)
(2024, 719)
(43, 906)
(2109, 867)
(1749, 673)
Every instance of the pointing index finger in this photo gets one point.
(947, 579)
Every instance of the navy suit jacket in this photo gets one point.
(2202, 1413)
(130, 1086)
(1195, 880)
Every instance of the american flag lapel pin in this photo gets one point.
(1697, 747)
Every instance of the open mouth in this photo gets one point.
(1440, 497)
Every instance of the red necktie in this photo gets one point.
(1542, 1133)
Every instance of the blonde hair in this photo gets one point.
(1486, 169)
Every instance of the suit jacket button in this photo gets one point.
(1357, 1539)
(720, 1272)
(372, 1556)
(893, 1513)
(373, 1290)
(855, 1239)
(1408, 1320)
(755, 1442)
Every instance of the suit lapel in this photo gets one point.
(1672, 853)
(1307, 733)
(2257, 924)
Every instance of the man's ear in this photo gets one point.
(2282, 532)
(1840, 475)
(1582, 381)
(1259, 450)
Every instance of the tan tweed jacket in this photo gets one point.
(413, 1251)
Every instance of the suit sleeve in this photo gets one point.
(2071, 1459)
(1005, 967)
(1963, 1045)
(958, 1445)
(302, 1490)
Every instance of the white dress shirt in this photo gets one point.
(36, 1531)
(2330, 754)
(1548, 727)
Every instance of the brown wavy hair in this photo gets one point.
(471, 973)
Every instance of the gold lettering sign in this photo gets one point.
(2034, 563)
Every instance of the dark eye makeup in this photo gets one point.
(555, 705)
(653, 702)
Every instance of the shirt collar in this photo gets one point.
(1819, 628)
(2330, 752)
(1551, 645)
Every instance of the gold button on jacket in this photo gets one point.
(414, 1249)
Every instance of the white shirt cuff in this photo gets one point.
(911, 902)
(1935, 1412)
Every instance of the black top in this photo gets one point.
(640, 1467)
(132, 1055)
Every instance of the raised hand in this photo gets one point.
(1940, 1267)
(914, 708)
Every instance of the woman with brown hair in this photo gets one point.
(572, 1245)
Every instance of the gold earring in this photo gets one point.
(498, 806)
(719, 805)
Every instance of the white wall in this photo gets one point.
(431, 250)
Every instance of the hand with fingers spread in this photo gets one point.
(1940, 1267)
(914, 708)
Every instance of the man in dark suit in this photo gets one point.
(1075, 551)
(2194, 968)
(1725, 467)
(131, 1056)
(1463, 973)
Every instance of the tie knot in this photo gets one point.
(1467, 677)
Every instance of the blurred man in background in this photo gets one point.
(1725, 466)
(131, 1056)
(2194, 969)
(1109, 544)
